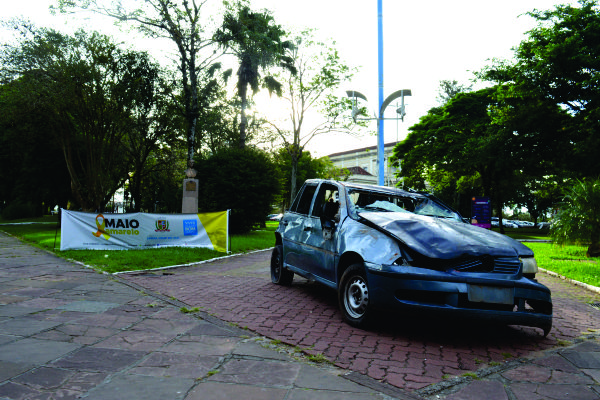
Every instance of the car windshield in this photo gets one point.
(366, 201)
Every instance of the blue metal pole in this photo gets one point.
(380, 141)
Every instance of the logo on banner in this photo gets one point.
(190, 227)
(101, 224)
(162, 225)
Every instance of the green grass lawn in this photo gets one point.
(43, 233)
(569, 261)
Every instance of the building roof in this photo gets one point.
(357, 171)
(361, 150)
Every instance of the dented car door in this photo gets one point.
(321, 234)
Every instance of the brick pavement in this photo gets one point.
(406, 352)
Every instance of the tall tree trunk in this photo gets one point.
(293, 179)
(243, 88)
(594, 249)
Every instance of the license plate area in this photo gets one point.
(490, 294)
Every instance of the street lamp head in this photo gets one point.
(353, 94)
(399, 93)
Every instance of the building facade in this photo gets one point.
(362, 165)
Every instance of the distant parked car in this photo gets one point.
(507, 223)
(543, 225)
(523, 224)
(275, 217)
(385, 248)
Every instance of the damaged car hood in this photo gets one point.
(445, 238)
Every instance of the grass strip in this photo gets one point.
(44, 235)
(569, 261)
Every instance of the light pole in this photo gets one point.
(354, 95)
(382, 103)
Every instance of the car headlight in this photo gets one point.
(529, 265)
(377, 267)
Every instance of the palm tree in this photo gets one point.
(579, 218)
(258, 43)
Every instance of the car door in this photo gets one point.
(293, 222)
(320, 228)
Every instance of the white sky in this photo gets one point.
(424, 42)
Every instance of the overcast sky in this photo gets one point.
(424, 42)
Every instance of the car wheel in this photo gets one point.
(279, 274)
(353, 296)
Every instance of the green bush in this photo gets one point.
(242, 180)
(578, 220)
(18, 210)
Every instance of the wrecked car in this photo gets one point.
(385, 248)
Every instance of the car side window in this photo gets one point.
(303, 204)
(327, 202)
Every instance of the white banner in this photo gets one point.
(93, 231)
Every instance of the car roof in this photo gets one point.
(385, 189)
(375, 188)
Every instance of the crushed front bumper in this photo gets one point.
(506, 299)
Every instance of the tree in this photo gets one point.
(32, 167)
(99, 101)
(258, 43)
(307, 168)
(242, 180)
(73, 77)
(558, 63)
(152, 140)
(458, 144)
(180, 21)
(449, 89)
(579, 217)
(319, 72)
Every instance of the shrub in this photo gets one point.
(579, 217)
(18, 210)
(243, 180)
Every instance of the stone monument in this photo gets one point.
(189, 204)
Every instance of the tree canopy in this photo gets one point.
(530, 132)
(559, 64)
(100, 103)
(258, 43)
(180, 21)
(317, 72)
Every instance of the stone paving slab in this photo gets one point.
(35, 351)
(224, 391)
(142, 387)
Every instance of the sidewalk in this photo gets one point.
(68, 332)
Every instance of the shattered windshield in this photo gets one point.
(365, 201)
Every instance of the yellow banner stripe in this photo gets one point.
(215, 225)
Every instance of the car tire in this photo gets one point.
(353, 296)
(279, 274)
